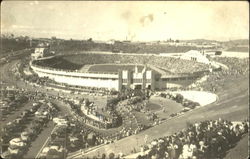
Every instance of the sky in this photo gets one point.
(136, 21)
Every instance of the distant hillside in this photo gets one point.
(231, 42)
(200, 41)
(10, 45)
(237, 42)
(240, 45)
(238, 49)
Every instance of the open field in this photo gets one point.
(167, 106)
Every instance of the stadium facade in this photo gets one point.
(117, 81)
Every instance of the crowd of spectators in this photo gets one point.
(171, 64)
(202, 140)
(207, 139)
(90, 115)
(118, 46)
(57, 63)
(215, 81)
(45, 81)
(237, 66)
(152, 48)
(131, 125)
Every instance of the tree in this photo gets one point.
(86, 101)
(111, 155)
(90, 40)
(103, 156)
(53, 38)
(179, 98)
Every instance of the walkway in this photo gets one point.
(240, 151)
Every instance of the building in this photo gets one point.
(41, 51)
(137, 80)
(117, 80)
(195, 55)
(147, 77)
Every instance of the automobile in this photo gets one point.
(173, 115)
(16, 143)
(16, 152)
(6, 137)
(3, 118)
(185, 109)
(74, 143)
(35, 128)
(40, 114)
(25, 113)
(35, 104)
(57, 141)
(19, 121)
(6, 154)
(42, 101)
(33, 110)
(4, 111)
(25, 136)
(44, 152)
(10, 127)
(60, 121)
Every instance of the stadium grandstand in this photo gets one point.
(119, 71)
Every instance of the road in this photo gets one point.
(36, 145)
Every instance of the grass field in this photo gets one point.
(153, 106)
(113, 67)
(166, 104)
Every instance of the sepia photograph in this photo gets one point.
(124, 80)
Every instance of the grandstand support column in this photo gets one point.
(144, 80)
(119, 80)
(129, 75)
(152, 80)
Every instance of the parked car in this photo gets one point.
(26, 136)
(17, 142)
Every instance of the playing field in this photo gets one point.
(110, 68)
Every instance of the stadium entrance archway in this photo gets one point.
(149, 87)
(138, 86)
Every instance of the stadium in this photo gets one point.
(113, 71)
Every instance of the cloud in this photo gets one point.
(22, 27)
(136, 21)
(126, 15)
(146, 20)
